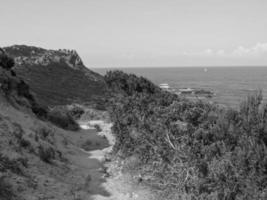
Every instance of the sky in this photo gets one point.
(142, 33)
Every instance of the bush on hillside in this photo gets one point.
(23, 90)
(39, 111)
(46, 153)
(129, 84)
(98, 128)
(76, 112)
(14, 163)
(193, 150)
(5, 61)
(62, 119)
(46, 134)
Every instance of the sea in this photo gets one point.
(231, 85)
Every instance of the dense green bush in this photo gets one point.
(46, 153)
(129, 83)
(39, 111)
(76, 112)
(61, 118)
(191, 150)
(5, 61)
(97, 128)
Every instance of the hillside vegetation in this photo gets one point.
(179, 148)
(56, 77)
(39, 160)
(189, 150)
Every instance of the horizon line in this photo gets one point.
(191, 66)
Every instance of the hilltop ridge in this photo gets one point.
(57, 77)
(35, 55)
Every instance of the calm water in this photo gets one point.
(231, 84)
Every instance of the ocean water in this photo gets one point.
(230, 84)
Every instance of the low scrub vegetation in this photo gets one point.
(46, 153)
(5, 61)
(190, 150)
(12, 163)
(76, 112)
(18, 93)
(97, 128)
(61, 118)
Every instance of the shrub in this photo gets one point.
(24, 142)
(39, 111)
(5, 61)
(14, 164)
(46, 153)
(23, 90)
(76, 112)
(45, 134)
(98, 128)
(195, 149)
(129, 84)
(62, 119)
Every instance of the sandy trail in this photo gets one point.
(118, 185)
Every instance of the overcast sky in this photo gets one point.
(123, 33)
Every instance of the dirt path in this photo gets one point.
(117, 185)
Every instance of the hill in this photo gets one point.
(56, 77)
(39, 160)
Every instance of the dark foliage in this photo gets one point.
(61, 118)
(15, 165)
(6, 191)
(24, 90)
(76, 112)
(53, 81)
(129, 84)
(47, 153)
(192, 150)
(18, 92)
(40, 111)
(58, 84)
(5, 61)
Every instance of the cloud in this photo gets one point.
(257, 50)
(208, 52)
(220, 52)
